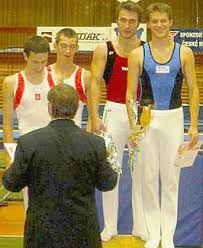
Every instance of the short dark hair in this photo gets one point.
(130, 6)
(160, 7)
(36, 44)
(64, 100)
(67, 32)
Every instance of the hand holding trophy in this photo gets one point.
(112, 154)
(139, 130)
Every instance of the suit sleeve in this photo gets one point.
(16, 176)
(106, 177)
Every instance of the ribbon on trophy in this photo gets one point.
(140, 127)
(112, 154)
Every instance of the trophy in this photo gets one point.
(140, 128)
(112, 154)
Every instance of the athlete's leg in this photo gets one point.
(151, 185)
(117, 127)
(139, 223)
(169, 174)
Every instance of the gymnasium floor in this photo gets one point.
(11, 230)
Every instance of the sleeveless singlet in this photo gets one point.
(161, 83)
(115, 75)
(76, 80)
(30, 103)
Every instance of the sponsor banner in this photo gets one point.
(141, 31)
(192, 38)
(89, 37)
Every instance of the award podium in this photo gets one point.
(189, 229)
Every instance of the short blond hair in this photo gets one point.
(160, 7)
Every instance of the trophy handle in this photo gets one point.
(104, 118)
(145, 116)
(134, 110)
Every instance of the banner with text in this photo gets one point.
(88, 37)
(192, 38)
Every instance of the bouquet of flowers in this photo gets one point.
(139, 130)
(112, 154)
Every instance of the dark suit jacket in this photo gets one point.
(61, 165)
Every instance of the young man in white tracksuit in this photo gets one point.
(162, 64)
(26, 93)
(110, 62)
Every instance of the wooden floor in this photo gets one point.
(12, 222)
(12, 219)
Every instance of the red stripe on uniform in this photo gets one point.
(19, 90)
(49, 68)
(78, 85)
(50, 79)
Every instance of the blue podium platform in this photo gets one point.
(189, 230)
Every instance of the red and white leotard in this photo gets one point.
(30, 103)
(77, 81)
(115, 75)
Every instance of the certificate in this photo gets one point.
(11, 147)
(186, 157)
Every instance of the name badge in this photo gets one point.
(37, 97)
(162, 69)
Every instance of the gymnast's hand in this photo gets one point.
(97, 125)
(194, 136)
